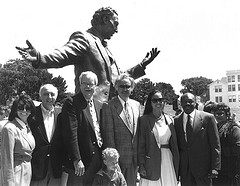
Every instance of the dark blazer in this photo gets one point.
(78, 133)
(85, 51)
(149, 152)
(46, 151)
(202, 153)
(115, 131)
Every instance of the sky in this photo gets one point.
(196, 38)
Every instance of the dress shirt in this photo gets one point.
(48, 119)
(127, 109)
(95, 122)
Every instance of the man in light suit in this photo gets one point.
(81, 132)
(198, 143)
(46, 160)
(119, 127)
(88, 51)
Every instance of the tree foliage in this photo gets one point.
(145, 86)
(18, 75)
(196, 85)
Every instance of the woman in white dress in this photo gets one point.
(158, 156)
(17, 144)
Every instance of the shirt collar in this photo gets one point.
(122, 101)
(192, 114)
(23, 125)
(47, 112)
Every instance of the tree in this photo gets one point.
(196, 85)
(142, 89)
(167, 91)
(18, 75)
(145, 86)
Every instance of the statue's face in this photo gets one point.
(110, 26)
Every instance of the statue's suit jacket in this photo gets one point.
(85, 51)
(46, 151)
(116, 133)
(79, 136)
(202, 152)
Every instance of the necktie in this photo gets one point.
(95, 123)
(128, 114)
(189, 128)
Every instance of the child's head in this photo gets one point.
(110, 158)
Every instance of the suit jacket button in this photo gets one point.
(48, 155)
(93, 153)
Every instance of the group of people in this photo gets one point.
(90, 142)
(100, 137)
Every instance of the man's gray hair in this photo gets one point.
(88, 74)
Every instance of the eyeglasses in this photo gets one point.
(124, 86)
(161, 100)
(88, 84)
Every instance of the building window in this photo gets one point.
(218, 99)
(238, 78)
(229, 79)
(232, 99)
(238, 87)
(238, 98)
(233, 88)
(218, 88)
(229, 88)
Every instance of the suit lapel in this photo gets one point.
(196, 125)
(135, 112)
(41, 126)
(119, 109)
(24, 136)
(87, 114)
(103, 52)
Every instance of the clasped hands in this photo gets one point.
(29, 53)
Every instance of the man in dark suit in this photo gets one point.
(198, 142)
(46, 157)
(81, 132)
(119, 127)
(88, 51)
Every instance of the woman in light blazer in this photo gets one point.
(158, 156)
(18, 143)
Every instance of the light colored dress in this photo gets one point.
(168, 176)
(16, 149)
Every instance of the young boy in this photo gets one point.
(110, 174)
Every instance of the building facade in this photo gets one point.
(227, 90)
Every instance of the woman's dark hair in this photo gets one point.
(27, 101)
(223, 107)
(209, 106)
(148, 106)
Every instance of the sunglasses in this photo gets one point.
(161, 100)
(124, 86)
(219, 114)
(22, 107)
